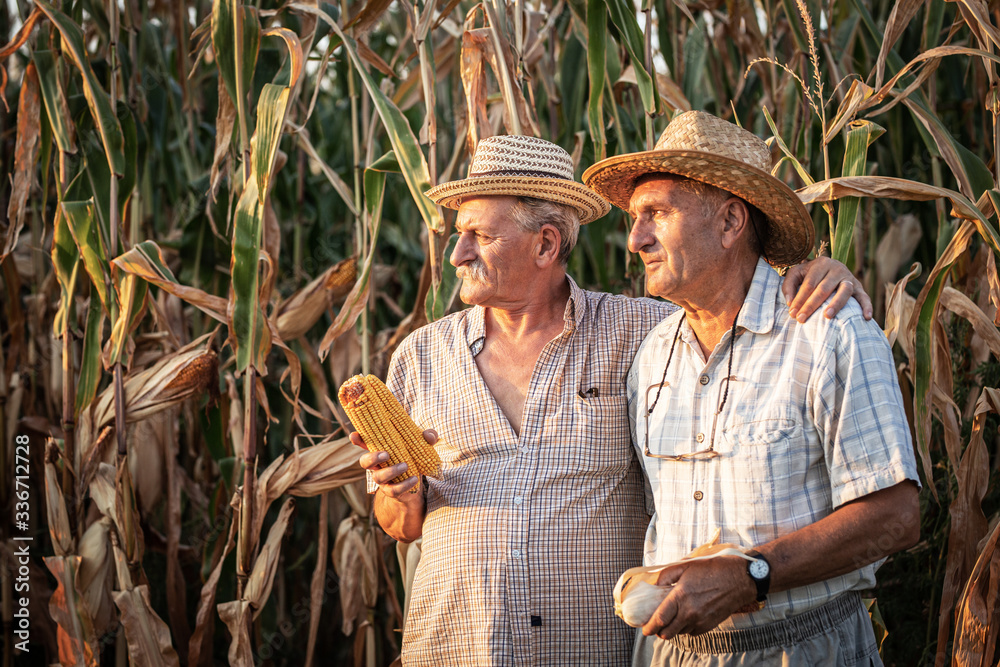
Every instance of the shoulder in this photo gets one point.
(641, 313)
(438, 335)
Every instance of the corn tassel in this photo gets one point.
(385, 426)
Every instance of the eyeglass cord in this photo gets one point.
(729, 372)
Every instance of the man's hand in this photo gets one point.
(809, 284)
(383, 475)
(704, 593)
(399, 509)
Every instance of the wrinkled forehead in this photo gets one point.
(484, 211)
(654, 186)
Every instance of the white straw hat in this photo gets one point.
(705, 148)
(522, 166)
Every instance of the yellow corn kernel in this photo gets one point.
(385, 426)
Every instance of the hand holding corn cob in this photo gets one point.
(384, 426)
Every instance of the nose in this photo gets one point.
(463, 251)
(639, 236)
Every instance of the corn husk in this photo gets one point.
(642, 582)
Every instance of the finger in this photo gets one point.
(815, 274)
(357, 440)
(839, 300)
(431, 436)
(384, 476)
(823, 290)
(401, 489)
(374, 460)
(793, 278)
(863, 299)
(663, 615)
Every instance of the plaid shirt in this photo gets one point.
(813, 419)
(525, 536)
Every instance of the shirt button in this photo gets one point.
(518, 500)
(704, 379)
(698, 495)
(516, 553)
(700, 437)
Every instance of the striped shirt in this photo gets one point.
(525, 536)
(813, 419)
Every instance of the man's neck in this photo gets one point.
(539, 315)
(713, 311)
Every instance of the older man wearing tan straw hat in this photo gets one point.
(540, 503)
(786, 440)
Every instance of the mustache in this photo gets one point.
(474, 270)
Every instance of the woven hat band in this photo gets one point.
(517, 172)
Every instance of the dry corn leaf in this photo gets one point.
(199, 648)
(236, 616)
(898, 310)
(475, 85)
(857, 94)
(23, 33)
(355, 565)
(902, 12)
(977, 617)
(147, 442)
(102, 491)
(307, 472)
(297, 314)
(95, 578)
(25, 155)
(968, 523)
(176, 585)
(258, 587)
(963, 306)
(942, 390)
(671, 94)
(147, 635)
(55, 504)
(75, 635)
(224, 120)
(317, 586)
(994, 283)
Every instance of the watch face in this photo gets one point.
(759, 569)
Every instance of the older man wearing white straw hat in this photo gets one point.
(540, 503)
(786, 440)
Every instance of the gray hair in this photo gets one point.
(529, 214)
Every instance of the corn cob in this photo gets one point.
(385, 426)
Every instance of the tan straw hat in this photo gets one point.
(704, 148)
(522, 167)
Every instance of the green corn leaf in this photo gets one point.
(81, 217)
(597, 31)
(860, 135)
(131, 293)
(439, 295)
(623, 15)
(90, 362)
(97, 100)
(55, 100)
(66, 260)
(236, 65)
(247, 328)
(404, 143)
(271, 110)
(354, 303)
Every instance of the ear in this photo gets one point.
(547, 246)
(735, 222)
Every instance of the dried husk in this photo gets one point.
(297, 315)
(354, 561)
(76, 642)
(977, 616)
(55, 505)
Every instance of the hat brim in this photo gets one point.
(792, 233)
(590, 205)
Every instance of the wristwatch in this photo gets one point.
(760, 571)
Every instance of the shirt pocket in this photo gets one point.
(600, 440)
(766, 466)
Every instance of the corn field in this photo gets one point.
(215, 216)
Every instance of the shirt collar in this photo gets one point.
(572, 316)
(757, 313)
